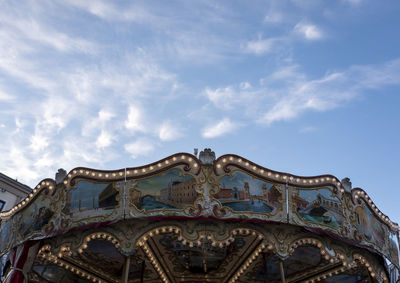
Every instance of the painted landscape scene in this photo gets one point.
(170, 190)
(242, 192)
(319, 206)
(369, 226)
(89, 199)
(394, 248)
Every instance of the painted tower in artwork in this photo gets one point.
(265, 191)
(246, 190)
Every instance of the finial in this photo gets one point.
(207, 156)
(347, 184)
(60, 176)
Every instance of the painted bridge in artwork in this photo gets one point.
(190, 219)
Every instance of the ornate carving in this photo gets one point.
(207, 156)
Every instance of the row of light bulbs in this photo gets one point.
(279, 176)
(130, 171)
(202, 235)
(362, 194)
(50, 184)
(347, 266)
(247, 263)
(45, 254)
(154, 262)
(99, 236)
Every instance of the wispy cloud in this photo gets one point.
(135, 121)
(104, 140)
(5, 96)
(288, 92)
(308, 31)
(261, 46)
(330, 91)
(307, 129)
(31, 29)
(220, 128)
(139, 147)
(168, 131)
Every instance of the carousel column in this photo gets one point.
(125, 272)
(282, 271)
(21, 259)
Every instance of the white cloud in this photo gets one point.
(309, 31)
(261, 46)
(5, 96)
(139, 147)
(221, 128)
(104, 140)
(135, 121)
(245, 85)
(330, 91)
(35, 31)
(105, 115)
(168, 131)
(274, 17)
(38, 142)
(108, 11)
(307, 129)
(221, 97)
(287, 72)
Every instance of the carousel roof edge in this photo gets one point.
(222, 165)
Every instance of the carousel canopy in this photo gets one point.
(189, 219)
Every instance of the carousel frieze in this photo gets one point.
(189, 219)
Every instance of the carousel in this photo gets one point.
(197, 219)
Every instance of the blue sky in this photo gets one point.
(302, 86)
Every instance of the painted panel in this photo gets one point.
(5, 234)
(91, 199)
(374, 233)
(36, 217)
(370, 228)
(394, 248)
(319, 207)
(241, 192)
(172, 190)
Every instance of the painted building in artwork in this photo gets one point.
(179, 192)
(300, 202)
(274, 195)
(234, 193)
